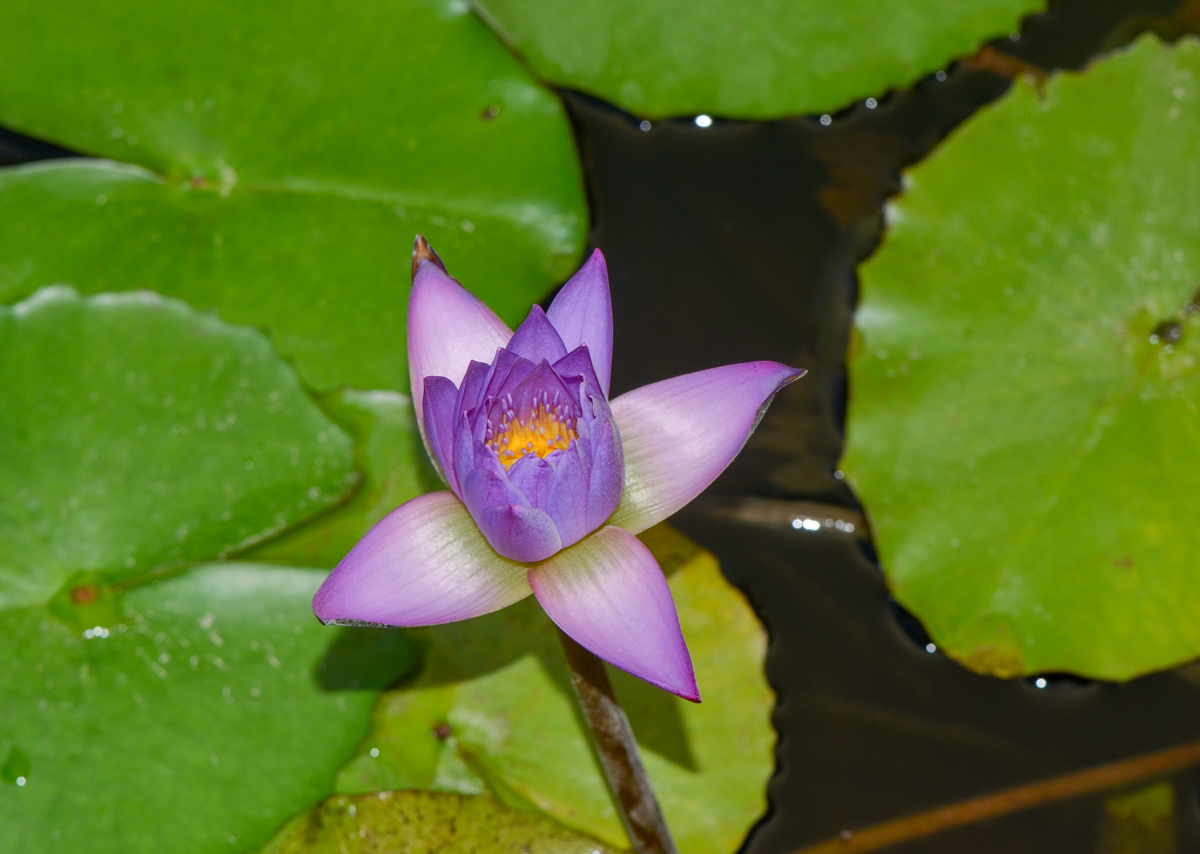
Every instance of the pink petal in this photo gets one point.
(608, 593)
(679, 434)
(424, 563)
(448, 327)
(582, 314)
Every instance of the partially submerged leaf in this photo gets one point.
(493, 706)
(746, 60)
(1023, 425)
(137, 434)
(426, 823)
(215, 711)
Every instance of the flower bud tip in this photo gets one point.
(422, 252)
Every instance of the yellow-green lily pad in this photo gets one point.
(417, 822)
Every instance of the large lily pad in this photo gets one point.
(137, 434)
(1024, 426)
(493, 710)
(395, 467)
(212, 711)
(749, 60)
(418, 822)
(287, 162)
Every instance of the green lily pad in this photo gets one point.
(1023, 425)
(418, 822)
(286, 164)
(395, 468)
(746, 60)
(493, 710)
(214, 711)
(137, 434)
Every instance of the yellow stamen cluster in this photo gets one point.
(542, 431)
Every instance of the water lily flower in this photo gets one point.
(549, 481)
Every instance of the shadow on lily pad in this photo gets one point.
(365, 659)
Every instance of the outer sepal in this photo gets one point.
(448, 327)
(679, 434)
(424, 563)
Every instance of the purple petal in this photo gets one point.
(508, 371)
(448, 327)
(608, 593)
(582, 314)
(567, 500)
(607, 479)
(536, 338)
(578, 365)
(679, 434)
(439, 403)
(531, 475)
(470, 393)
(512, 527)
(485, 487)
(425, 563)
(525, 534)
(464, 450)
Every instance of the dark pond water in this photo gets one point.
(737, 242)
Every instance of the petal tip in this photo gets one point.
(792, 375)
(423, 252)
(683, 682)
(322, 613)
(682, 685)
(324, 609)
(785, 373)
(776, 373)
(595, 267)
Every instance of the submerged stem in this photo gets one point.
(1096, 779)
(618, 752)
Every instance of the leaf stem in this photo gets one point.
(615, 745)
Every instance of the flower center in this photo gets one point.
(548, 427)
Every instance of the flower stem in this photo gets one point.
(618, 752)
